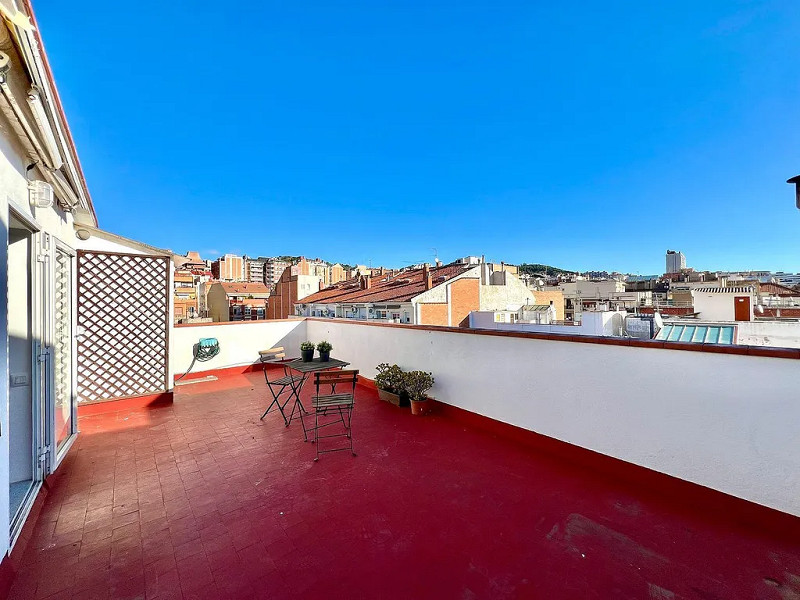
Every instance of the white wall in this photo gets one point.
(723, 431)
(510, 296)
(719, 307)
(605, 323)
(778, 334)
(239, 342)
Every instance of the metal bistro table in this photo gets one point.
(305, 369)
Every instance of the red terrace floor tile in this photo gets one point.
(201, 499)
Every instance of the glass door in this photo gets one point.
(64, 418)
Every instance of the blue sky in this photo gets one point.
(587, 136)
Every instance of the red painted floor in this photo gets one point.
(203, 500)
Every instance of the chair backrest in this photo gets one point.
(272, 355)
(332, 378)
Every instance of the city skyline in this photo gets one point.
(431, 259)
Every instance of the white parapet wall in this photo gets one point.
(778, 334)
(239, 342)
(603, 323)
(724, 421)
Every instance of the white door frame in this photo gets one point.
(38, 382)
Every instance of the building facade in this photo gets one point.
(253, 270)
(229, 267)
(273, 269)
(337, 274)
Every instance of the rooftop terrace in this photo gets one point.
(200, 499)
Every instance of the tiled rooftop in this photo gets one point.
(400, 287)
(202, 500)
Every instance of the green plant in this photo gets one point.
(416, 383)
(324, 346)
(307, 346)
(389, 378)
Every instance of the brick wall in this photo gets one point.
(433, 314)
(465, 296)
(281, 303)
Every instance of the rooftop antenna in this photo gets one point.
(435, 256)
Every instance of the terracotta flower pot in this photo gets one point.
(421, 407)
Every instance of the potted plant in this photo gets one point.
(389, 382)
(324, 351)
(415, 384)
(307, 351)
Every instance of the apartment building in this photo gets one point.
(253, 270)
(675, 261)
(229, 267)
(273, 269)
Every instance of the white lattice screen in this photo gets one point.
(123, 325)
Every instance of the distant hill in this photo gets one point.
(539, 269)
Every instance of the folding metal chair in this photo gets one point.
(335, 404)
(284, 388)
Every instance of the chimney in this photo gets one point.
(366, 282)
(426, 276)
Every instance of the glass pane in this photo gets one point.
(726, 335)
(713, 335)
(686, 336)
(699, 333)
(677, 330)
(63, 348)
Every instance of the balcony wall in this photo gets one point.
(239, 342)
(721, 420)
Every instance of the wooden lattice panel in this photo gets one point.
(123, 325)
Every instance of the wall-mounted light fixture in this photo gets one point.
(83, 234)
